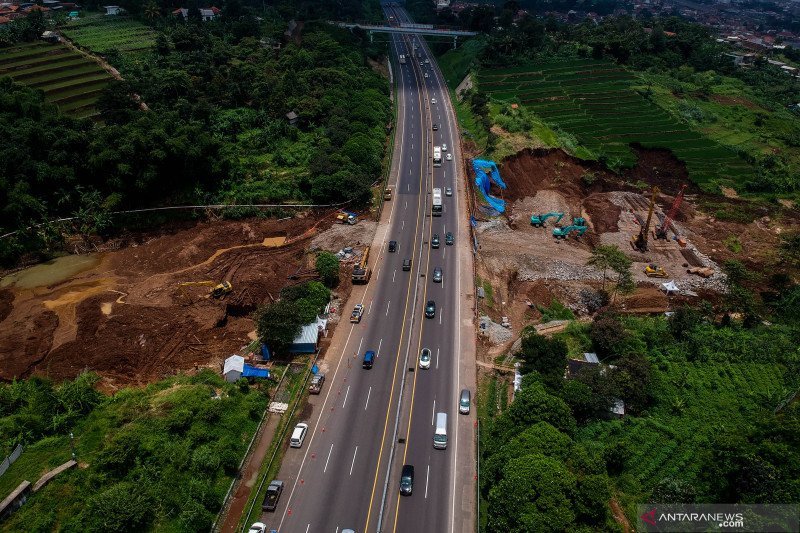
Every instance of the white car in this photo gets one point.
(444, 147)
(433, 100)
(448, 191)
(298, 435)
(449, 157)
(426, 74)
(425, 358)
(258, 527)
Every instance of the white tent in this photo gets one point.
(234, 366)
(670, 287)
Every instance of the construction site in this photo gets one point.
(153, 304)
(559, 208)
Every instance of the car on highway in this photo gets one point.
(369, 358)
(258, 527)
(449, 239)
(449, 157)
(437, 275)
(426, 74)
(315, 387)
(357, 314)
(448, 191)
(392, 246)
(435, 127)
(464, 401)
(298, 435)
(406, 264)
(433, 101)
(435, 241)
(274, 491)
(425, 358)
(407, 480)
(428, 61)
(430, 309)
(444, 147)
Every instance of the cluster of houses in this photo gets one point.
(11, 11)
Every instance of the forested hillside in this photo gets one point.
(215, 131)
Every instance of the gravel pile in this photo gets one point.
(496, 333)
(533, 268)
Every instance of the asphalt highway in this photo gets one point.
(367, 423)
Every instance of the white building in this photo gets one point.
(234, 366)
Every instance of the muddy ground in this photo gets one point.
(126, 316)
(527, 265)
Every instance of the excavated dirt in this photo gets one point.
(128, 319)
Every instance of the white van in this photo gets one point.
(298, 435)
(440, 436)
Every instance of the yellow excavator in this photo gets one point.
(217, 289)
(362, 272)
(655, 271)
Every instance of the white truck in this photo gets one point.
(437, 156)
(436, 209)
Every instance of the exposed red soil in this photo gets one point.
(733, 100)
(127, 318)
(603, 214)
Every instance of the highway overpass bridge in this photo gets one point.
(406, 28)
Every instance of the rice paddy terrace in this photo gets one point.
(593, 100)
(101, 33)
(68, 79)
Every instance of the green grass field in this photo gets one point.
(594, 101)
(64, 76)
(101, 34)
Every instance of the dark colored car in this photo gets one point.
(406, 264)
(437, 275)
(316, 384)
(392, 246)
(407, 480)
(274, 492)
(430, 309)
(449, 239)
(435, 127)
(435, 241)
(369, 358)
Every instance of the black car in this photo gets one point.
(435, 241)
(449, 239)
(437, 275)
(435, 127)
(407, 480)
(392, 246)
(430, 309)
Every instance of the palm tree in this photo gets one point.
(151, 11)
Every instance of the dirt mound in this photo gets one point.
(603, 214)
(660, 167)
(129, 319)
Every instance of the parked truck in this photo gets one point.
(362, 272)
(346, 217)
(387, 194)
(273, 495)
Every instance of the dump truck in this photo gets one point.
(346, 217)
(362, 272)
(358, 312)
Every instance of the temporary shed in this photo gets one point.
(306, 341)
(233, 369)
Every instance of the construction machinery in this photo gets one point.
(578, 221)
(562, 233)
(655, 271)
(217, 289)
(346, 217)
(362, 272)
(661, 231)
(640, 241)
(539, 220)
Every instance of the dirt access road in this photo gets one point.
(123, 315)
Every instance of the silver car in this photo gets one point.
(437, 275)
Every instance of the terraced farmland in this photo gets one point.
(593, 100)
(101, 34)
(68, 79)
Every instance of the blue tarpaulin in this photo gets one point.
(253, 372)
(265, 355)
(485, 173)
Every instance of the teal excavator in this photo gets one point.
(562, 233)
(538, 220)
